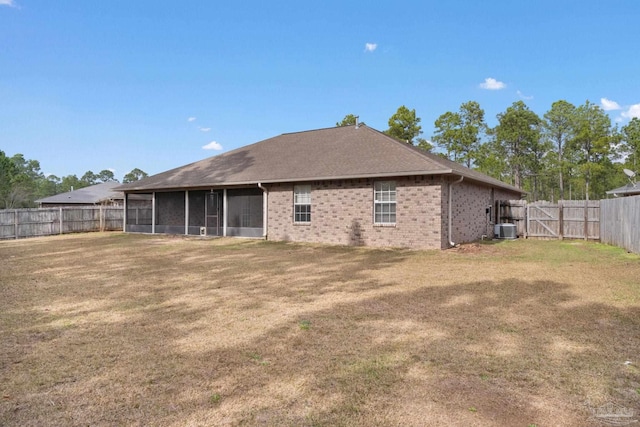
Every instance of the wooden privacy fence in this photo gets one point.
(19, 223)
(620, 222)
(570, 219)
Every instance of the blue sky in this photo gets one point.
(88, 85)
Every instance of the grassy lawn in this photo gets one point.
(114, 329)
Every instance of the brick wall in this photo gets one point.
(342, 213)
(469, 217)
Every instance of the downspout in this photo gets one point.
(265, 205)
(451, 184)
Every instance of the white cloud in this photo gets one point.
(212, 146)
(632, 112)
(204, 129)
(492, 84)
(370, 47)
(10, 3)
(191, 119)
(523, 96)
(609, 105)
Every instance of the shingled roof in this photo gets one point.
(93, 194)
(344, 152)
(631, 189)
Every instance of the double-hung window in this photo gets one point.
(302, 203)
(384, 202)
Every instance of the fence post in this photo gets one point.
(586, 219)
(125, 207)
(61, 222)
(15, 222)
(601, 223)
(526, 212)
(560, 220)
(101, 220)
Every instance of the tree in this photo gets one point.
(48, 186)
(71, 182)
(135, 175)
(348, 120)
(447, 133)
(536, 164)
(558, 129)
(517, 132)
(29, 168)
(89, 178)
(106, 175)
(7, 172)
(404, 125)
(592, 143)
(491, 159)
(460, 133)
(423, 144)
(473, 125)
(24, 183)
(630, 134)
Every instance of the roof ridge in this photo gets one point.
(353, 150)
(319, 129)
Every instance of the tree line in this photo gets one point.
(22, 182)
(571, 152)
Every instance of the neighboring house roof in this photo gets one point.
(93, 194)
(334, 153)
(630, 189)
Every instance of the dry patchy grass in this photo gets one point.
(114, 329)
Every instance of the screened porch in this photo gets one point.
(216, 212)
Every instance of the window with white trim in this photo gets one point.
(302, 203)
(384, 202)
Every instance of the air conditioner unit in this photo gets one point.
(203, 231)
(505, 231)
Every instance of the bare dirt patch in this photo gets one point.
(114, 329)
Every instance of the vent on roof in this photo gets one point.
(357, 122)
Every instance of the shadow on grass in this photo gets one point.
(304, 335)
(507, 353)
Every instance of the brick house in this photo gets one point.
(350, 185)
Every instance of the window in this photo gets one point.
(302, 203)
(384, 202)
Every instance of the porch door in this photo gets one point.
(214, 214)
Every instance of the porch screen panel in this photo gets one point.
(139, 209)
(244, 208)
(170, 209)
(196, 208)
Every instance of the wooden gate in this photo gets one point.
(581, 219)
(571, 219)
(543, 220)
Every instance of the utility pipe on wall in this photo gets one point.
(265, 205)
(451, 184)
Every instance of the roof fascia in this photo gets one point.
(280, 181)
(323, 178)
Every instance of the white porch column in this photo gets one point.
(153, 213)
(224, 212)
(186, 212)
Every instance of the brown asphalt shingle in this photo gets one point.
(93, 194)
(332, 153)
